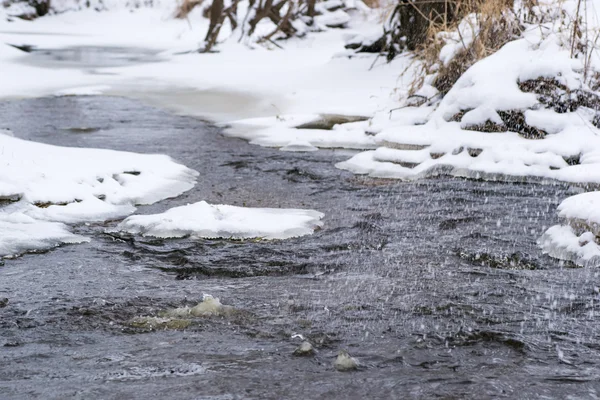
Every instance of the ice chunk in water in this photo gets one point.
(561, 241)
(20, 233)
(40, 182)
(203, 220)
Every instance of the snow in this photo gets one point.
(582, 207)
(79, 177)
(286, 132)
(73, 185)
(310, 75)
(203, 220)
(265, 95)
(564, 243)
(487, 88)
(20, 233)
(578, 240)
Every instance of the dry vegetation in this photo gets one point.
(281, 13)
(482, 27)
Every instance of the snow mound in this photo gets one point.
(203, 220)
(578, 240)
(20, 233)
(582, 210)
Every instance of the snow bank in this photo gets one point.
(203, 220)
(62, 184)
(491, 125)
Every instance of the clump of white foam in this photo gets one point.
(203, 220)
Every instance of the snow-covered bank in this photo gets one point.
(203, 220)
(490, 125)
(309, 75)
(41, 182)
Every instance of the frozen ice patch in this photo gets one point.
(203, 220)
(562, 242)
(84, 91)
(87, 184)
(309, 130)
(40, 182)
(578, 240)
(20, 233)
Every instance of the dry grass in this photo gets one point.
(495, 24)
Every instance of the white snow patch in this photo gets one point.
(63, 184)
(203, 220)
(286, 132)
(20, 233)
(561, 241)
(578, 240)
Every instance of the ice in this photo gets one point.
(73, 185)
(20, 233)
(87, 184)
(286, 132)
(299, 145)
(561, 241)
(578, 240)
(203, 220)
(83, 91)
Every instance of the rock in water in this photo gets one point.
(305, 349)
(210, 306)
(344, 362)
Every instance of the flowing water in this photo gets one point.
(437, 287)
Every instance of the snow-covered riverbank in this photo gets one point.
(517, 115)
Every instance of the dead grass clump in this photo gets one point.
(482, 27)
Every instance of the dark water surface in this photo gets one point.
(437, 287)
